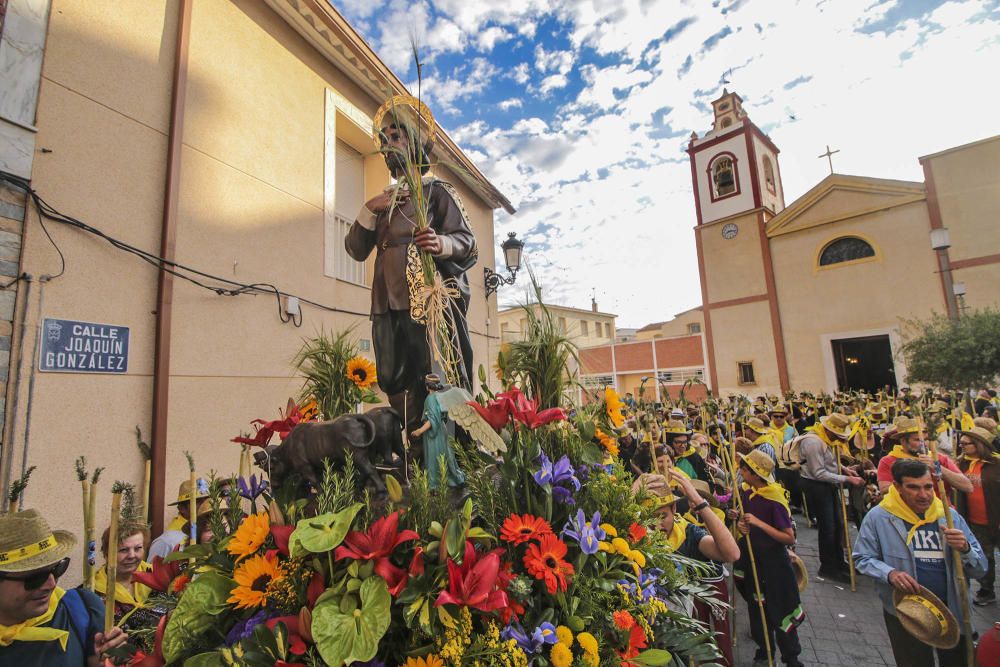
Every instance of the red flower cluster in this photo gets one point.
(544, 561)
(265, 430)
(636, 637)
(377, 545)
(515, 404)
(474, 583)
(636, 532)
(520, 529)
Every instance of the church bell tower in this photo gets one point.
(737, 189)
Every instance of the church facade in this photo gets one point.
(816, 295)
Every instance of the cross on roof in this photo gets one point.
(829, 156)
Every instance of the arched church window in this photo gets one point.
(769, 175)
(845, 249)
(726, 122)
(723, 176)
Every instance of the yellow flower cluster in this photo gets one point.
(503, 653)
(561, 654)
(456, 639)
(619, 546)
(282, 591)
(588, 643)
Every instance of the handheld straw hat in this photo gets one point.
(925, 617)
(27, 543)
(801, 573)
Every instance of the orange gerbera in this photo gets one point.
(607, 442)
(545, 561)
(361, 372)
(519, 529)
(623, 619)
(249, 536)
(428, 661)
(252, 578)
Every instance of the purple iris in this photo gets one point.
(648, 587)
(253, 489)
(244, 629)
(370, 663)
(587, 533)
(553, 474)
(543, 634)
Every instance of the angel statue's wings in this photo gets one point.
(455, 401)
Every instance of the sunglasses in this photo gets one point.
(38, 578)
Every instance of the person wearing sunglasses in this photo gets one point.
(40, 623)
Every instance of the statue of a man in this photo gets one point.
(387, 224)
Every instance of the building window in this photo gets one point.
(726, 122)
(349, 192)
(562, 324)
(607, 330)
(678, 377)
(744, 372)
(694, 328)
(584, 328)
(722, 176)
(769, 175)
(845, 249)
(597, 381)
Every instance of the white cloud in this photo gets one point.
(510, 103)
(553, 82)
(520, 73)
(490, 37)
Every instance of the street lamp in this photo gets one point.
(512, 248)
(940, 242)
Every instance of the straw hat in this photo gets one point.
(927, 618)
(980, 434)
(837, 424)
(756, 425)
(903, 426)
(938, 406)
(705, 491)
(676, 427)
(663, 498)
(760, 463)
(27, 543)
(779, 410)
(184, 491)
(801, 573)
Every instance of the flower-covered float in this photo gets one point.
(545, 556)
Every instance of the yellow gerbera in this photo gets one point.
(252, 578)
(564, 635)
(607, 442)
(588, 643)
(361, 372)
(429, 661)
(561, 655)
(613, 405)
(249, 536)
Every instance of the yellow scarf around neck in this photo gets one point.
(177, 523)
(676, 537)
(32, 630)
(689, 452)
(772, 491)
(690, 518)
(820, 432)
(898, 452)
(122, 594)
(894, 505)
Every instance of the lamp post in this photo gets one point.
(940, 242)
(512, 249)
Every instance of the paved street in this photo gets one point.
(841, 627)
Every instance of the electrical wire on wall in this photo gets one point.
(213, 283)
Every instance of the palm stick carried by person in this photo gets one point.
(112, 566)
(847, 529)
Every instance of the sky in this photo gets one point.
(580, 112)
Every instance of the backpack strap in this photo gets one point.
(79, 618)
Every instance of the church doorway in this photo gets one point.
(863, 363)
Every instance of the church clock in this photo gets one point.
(730, 230)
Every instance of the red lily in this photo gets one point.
(281, 535)
(377, 545)
(140, 659)
(160, 577)
(265, 430)
(315, 588)
(496, 413)
(474, 582)
(296, 645)
(526, 411)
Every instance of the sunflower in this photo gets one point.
(607, 442)
(249, 536)
(430, 660)
(613, 405)
(545, 561)
(361, 372)
(519, 529)
(252, 578)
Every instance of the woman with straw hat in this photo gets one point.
(40, 623)
(981, 507)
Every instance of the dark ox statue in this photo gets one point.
(366, 438)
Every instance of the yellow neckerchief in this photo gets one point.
(942, 428)
(177, 523)
(898, 452)
(689, 452)
(32, 630)
(764, 437)
(894, 505)
(690, 518)
(122, 594)
(773, 491)
(677, 534)
(820, 432)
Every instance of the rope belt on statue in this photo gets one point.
(394, 244)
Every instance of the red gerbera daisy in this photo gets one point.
(545, 561)
(636, 532)
(519, 529)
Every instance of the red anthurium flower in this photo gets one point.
(160, 577)
(140, 659)
(315, 589)
(636, 532)
(281, 535)
(377, 545)
(474, 582)
(296, 646)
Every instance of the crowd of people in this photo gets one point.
(919, 475)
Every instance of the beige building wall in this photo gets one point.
(733, 268)
(253, 191)
(683, 324)
(741, 334)
(584, 327)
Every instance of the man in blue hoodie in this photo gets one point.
(904, 544)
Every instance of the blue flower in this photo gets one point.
(244, 629)
(543, 634)
(253, 489)
(547, 632)
(586, 533)
(563, 471)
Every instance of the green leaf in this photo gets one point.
(454, 539)
(203, 599)
(212, 659)
(653, 657)
(346, 638)
(326, 531)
